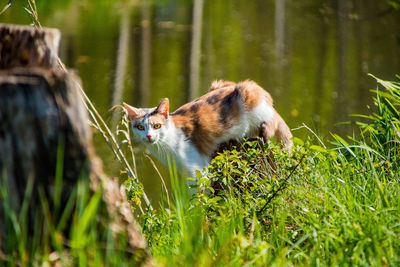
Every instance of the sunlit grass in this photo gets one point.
(322, 205)
(339, 206)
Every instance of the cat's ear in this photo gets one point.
(163, 108)
(132, 111)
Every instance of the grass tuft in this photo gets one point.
(321, 205)
(255, 205)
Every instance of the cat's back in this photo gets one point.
(223, 113)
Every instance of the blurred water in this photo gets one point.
(313, 56)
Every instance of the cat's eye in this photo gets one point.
(157, 126)
(140, 127)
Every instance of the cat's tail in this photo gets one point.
(278, 128)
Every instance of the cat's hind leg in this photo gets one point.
(278, 128)
(284, 135)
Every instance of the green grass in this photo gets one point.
(326, 204)
(331, 212)
(319, 206)
(43, 231)
(323, 205)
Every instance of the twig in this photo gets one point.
(117, 152)
(1, 13)
(33, 12)
(107, 133)
(94, 114)
(305, 126)
(162, 180)
(281, 186)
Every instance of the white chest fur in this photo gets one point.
(174, 143)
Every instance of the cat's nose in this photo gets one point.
(148, 137)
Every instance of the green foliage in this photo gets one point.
(134, 190)
(394, 4)
(42, 235)
(381, 132)
(257, 205)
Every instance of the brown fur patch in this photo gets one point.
(229, 109)
(209, 117)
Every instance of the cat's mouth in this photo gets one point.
(150, 140)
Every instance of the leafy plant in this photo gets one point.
(318, 206)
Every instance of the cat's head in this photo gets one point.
(149, 125)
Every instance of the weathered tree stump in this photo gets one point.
(39, 112)
(23, 46)
(44, 129)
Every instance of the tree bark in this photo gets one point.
(24, 46)
(44, 129)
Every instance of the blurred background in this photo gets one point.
(313, 56)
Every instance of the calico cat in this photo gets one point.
(191, 134)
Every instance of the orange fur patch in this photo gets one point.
(252, 94)
(208, 117)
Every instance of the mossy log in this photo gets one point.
(44, 129)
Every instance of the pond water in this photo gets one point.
(313, 56)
